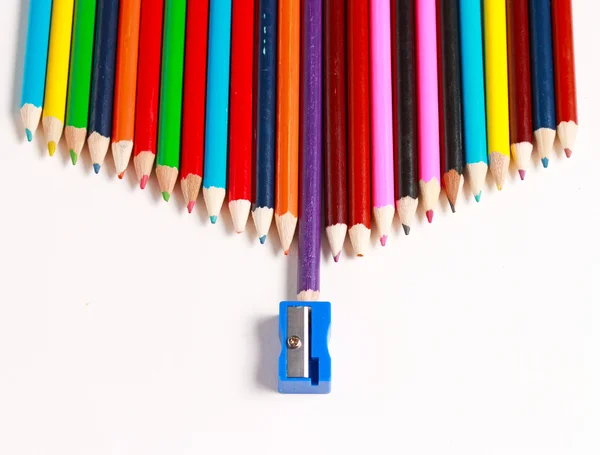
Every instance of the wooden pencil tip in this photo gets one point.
(568, 152)
(262, 239)
(97, 168)
(29, 134)
(166, 196)
(190, 206)
(336, 258)
(121, 175)
(478, 197)
(406, 229)
(51, 148)
(286, 252)
(522, 173)
(545, 162)
(383, 240)
(74, 157)
(144, 181)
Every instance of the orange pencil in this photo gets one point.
(288, 107)
(125, 84)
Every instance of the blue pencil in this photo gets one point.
(473, 84)
(217, 106)
(36, 57)
(103, 80)
(266, 48)
(542, 77)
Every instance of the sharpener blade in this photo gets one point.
(298, 341)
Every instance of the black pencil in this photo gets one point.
(450, 95)
(405, 109)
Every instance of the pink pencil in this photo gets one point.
(427, 105)
(382, 157)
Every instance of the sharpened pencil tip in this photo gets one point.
(360, 255)
(545, 162)
(336, 258)
(74, 157)
(383, 240)
(406, 229)
(190, 206)
(28, 134)
(121, 175)
(286, 252)
(263, 239)
(97, 168)
(568, 152)
(166, 196)
(478, 197)
(144, 181)
(522, 173)
(452, 207)
(213, 219)
(429, 215)
(51, 148)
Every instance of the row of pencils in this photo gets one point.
(380, 102)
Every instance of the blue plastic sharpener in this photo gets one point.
(304, 362)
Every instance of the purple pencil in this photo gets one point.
(309, 239)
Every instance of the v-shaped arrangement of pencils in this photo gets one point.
(365, 107)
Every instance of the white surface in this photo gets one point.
(113, 342)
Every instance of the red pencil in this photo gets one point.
(335, 124)
(519, 82)
(146, 109)
(194, 79)
(564, 74)
(241, 112)
(359, 152)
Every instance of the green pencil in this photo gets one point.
(171, 94)
(79, 76)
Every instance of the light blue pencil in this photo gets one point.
(36, 57)
(473, 82)
(217, 106)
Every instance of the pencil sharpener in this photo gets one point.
(304, 362)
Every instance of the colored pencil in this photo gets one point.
(519, 84)
(147, 99)
(288, 109)
(103, 81)
(564, 74)
(334, 61)
(36, 57)
(126, 84)
(57, 72)
(309, 236)
(405, 110)
(266, 56)
(171, 97)
(473, 89)
(496, 89)
(427, 109)
(217, 103)
(80, 77)
(359, 148)
(194, 97)
(450, 96)
(381, 118)
(542, 78)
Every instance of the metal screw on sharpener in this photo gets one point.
(294, 342)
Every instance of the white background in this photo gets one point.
(128, 326)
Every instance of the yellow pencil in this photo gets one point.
(57, 73)
(496, 88)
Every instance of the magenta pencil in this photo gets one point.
(427, 105)
(382, 157)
